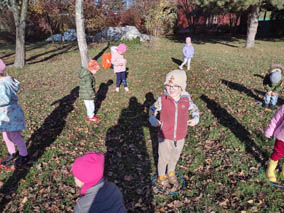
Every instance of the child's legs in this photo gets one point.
(123, 78)
(118, 79)
(175, 154)
(17, 139)
(274, 99)
(267, 99)
(184, 62)
(90, 106)
(164, 155)
(278, 150)
(188, 63)
(10, 145)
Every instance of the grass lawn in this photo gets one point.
(222, 155)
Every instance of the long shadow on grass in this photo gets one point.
(101, 52)
(227, 120)
(29, 48)
(223, 39)
(241, 88)
(101, 94)
(177, 61)
(64, 49)
(127, 160)
(39, 141)
(149, 101)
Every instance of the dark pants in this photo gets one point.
(120, 76)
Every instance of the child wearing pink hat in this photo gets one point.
(12, 119)
(119, 65)
(97, 194)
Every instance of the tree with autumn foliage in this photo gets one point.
(51, 15)
(19, 10)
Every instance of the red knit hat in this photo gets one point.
(2, 66)
(93, 65)
(89, 169)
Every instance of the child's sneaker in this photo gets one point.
(9, 159)
(94, 118)
(180, 67)
(21, 160)
(173, 179)
(163, 182)
(117, 89)
(126, 89)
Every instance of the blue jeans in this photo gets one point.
(120, 76)
(272, 99)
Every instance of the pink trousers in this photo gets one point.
(13, 139)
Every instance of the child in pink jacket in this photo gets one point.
(276, 129)
(119, 65)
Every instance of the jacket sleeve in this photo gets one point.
(193, 111)
(276, 120)
(184, 52)
(153, 111)
(279, 86)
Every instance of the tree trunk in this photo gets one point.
(81, 36)
(252, 25)
(20, 23)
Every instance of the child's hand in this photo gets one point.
(159, 124)
(274, 93)
(191, 122)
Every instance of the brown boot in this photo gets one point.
(163, 182)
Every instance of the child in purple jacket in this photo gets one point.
(276, 129)
(188, 52)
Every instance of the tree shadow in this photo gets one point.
(29, 48)
(41, 139)
(224, 39)
(127, 161)
(56, 52)
(177, 61)
(101, 94)
(242, 89)
(149, 101)
(228, 121)
(101, 52)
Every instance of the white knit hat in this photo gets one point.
(177, 77)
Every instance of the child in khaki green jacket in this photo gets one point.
(273, 84)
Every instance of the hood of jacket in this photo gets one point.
(11, 83)
(83, 72)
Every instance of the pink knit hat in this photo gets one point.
(121, 48)
(89, 169)
(2, 66)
